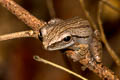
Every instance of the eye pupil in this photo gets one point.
(40, 36)
(67, 38)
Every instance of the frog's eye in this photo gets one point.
(40, 36)
(67, 38)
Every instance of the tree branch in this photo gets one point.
(29, 33)
(23, 14)
(102, 71)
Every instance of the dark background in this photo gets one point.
(16, 56)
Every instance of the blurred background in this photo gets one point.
(16, 56)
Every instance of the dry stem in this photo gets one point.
(37, 58)
(51, 8)
(22, 14)
(88, 15)
(29, 33)
(110, 50)
(110, 5)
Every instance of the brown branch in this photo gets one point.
(87, 14)
(110, 50)
(110, 5)
(51, 8)
(29, 33)
(22, 14)
(98, 68)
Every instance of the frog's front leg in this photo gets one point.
(96, 47)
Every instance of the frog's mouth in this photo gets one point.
(59, 46)
(66, 49)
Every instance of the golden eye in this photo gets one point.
(68, 38)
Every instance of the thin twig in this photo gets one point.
(51, 8)
(29, 33)
(110, 50)
(22, 14)
(110, 5)
(37, 58)
(88, 15)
